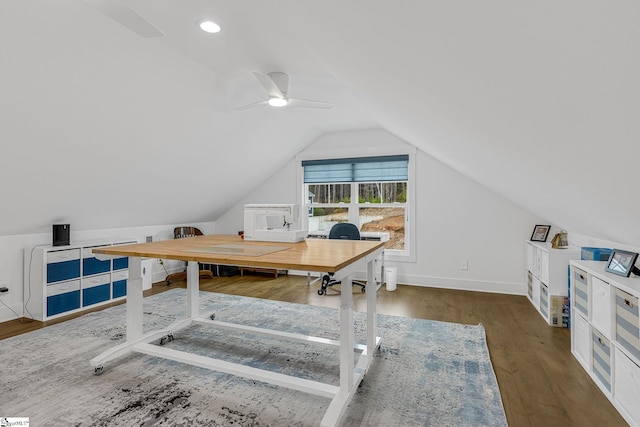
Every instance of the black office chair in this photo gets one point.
(345, 231)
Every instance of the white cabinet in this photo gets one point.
(548, 280)
(60, 280)
(605, 333)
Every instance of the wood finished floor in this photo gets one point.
(541, 383)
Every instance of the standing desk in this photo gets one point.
(340, 257)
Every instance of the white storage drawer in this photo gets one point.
(581, 291)
(90, 282)
(601, 305)
(62, 288)
(627, 322)
(116, 276)
(627, 386)
(63, 255)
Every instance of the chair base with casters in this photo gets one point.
(327, 282)
(342, 231)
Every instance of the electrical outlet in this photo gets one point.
(464, 264)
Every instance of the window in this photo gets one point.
(371, 192)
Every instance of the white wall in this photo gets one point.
(12, 255)
(457, 219)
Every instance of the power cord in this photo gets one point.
(18, 317)
(166, 273)
(29, 279)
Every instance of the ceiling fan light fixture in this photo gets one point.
(208, 26)
(277, 102)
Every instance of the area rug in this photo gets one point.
(426, 373)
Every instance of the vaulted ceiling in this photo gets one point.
(102, 128)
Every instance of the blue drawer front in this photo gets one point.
(60, 303)
(64, 270)
(627, 323)
(602, 360)
(121, 263)
(92, 266)
(119, 288)
(96, 294)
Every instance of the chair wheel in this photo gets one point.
(320, 292)
(363, 289)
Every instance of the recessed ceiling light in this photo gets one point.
(277, 102)
(208, 26)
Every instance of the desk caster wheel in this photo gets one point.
(98, 370)
(320, 292)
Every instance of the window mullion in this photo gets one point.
(354, 212)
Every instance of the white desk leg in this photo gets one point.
(346, 336)
(193, 289)
(372, 318)
(134, 299)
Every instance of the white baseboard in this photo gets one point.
(464, 284)
(449, 283)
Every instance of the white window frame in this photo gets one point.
(409, 252)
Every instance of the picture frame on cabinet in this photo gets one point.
(540, 233)
(621, 262)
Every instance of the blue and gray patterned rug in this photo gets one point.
(426, 373)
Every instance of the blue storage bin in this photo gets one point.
(595, 254)
(119, 288)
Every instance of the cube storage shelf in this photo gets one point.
(60, 280)
(605, 333)
(548, 280)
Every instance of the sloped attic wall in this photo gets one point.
(457, 219)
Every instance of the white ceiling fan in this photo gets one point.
(277, 85)
(124, 15)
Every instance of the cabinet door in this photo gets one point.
(601, 303)
(581, 340)
(529, 255)
(536, 261)
(627, 386)
(544, 267)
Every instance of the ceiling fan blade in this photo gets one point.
(308, 103)
(126, 16)
(248, 106)
(269, 85)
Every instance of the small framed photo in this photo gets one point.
(540, 233)
(621, 262)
